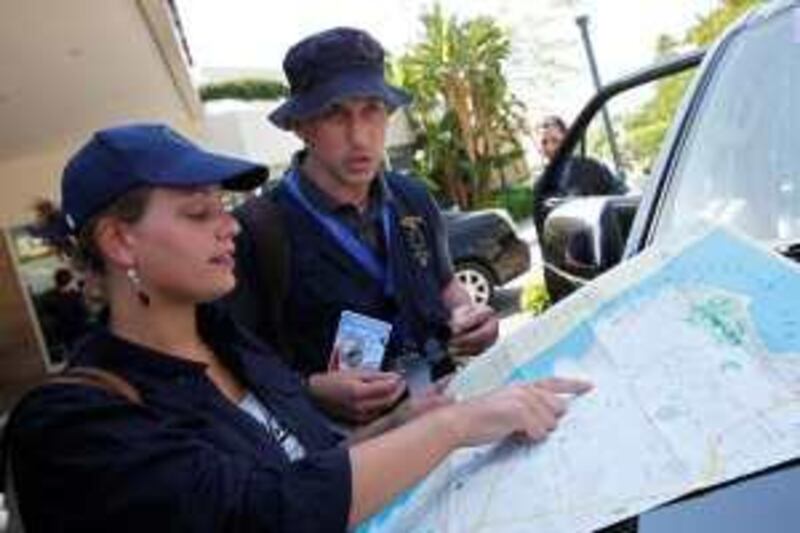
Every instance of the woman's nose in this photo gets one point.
(229, 227)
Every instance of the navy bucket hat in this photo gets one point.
(329, 67)
(117, 160)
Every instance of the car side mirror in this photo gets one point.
(583, 238)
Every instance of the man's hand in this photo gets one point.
(410, 408)
(473, 328)
(357, 396)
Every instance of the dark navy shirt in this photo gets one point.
(188, 459)
(367, 226)
(325, 279)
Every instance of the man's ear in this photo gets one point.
(301, 130)
(115, 242)
(299, 134)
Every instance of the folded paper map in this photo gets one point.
(694, 351)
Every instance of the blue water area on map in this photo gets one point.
(725, 262)
(574, 345)
(717, 261)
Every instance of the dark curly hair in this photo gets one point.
(553, 121)
(81, 248)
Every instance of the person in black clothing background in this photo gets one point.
(63, 313)
(579, 176)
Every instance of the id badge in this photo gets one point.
(360, 342)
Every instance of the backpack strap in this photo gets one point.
(79, 375)
(263, 280)
(102, 379)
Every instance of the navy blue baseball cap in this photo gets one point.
(330, 67)
(117, 160)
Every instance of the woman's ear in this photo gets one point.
(115, 243)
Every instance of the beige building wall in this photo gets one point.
(26, 178)
(21, 360)
(71, 67)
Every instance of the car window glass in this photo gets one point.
(638, 123)
(740, 163)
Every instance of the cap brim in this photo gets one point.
(337, 89)
(199, 167)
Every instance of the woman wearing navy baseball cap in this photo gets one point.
(170, 418)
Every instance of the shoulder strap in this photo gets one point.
(79, 375)
(102, 379)
(262, 220)
(401, 191)
(412, 195)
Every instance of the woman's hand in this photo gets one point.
(384, 466)
(530, 410)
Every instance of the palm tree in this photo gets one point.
(467, 119)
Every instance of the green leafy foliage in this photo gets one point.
(645, 129)
(244, 89)
(516, 199)
(534, 298)
(466, 119)
(709, 27)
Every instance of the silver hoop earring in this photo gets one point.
(136, 281)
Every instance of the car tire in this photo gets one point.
(477, 279)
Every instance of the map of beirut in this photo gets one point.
(694, 351)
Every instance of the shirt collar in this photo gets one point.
(324, 201)
(246, 357)
(104, 349)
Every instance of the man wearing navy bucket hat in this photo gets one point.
(169, 417)
(367, 250)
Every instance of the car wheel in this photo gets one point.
(477, 280)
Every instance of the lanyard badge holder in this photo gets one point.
(360, 252)
(417, 367)
(414, 364)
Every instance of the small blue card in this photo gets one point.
(360, 342)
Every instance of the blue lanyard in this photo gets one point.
(363, 254)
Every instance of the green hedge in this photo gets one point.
(517, 199)
(244, 89)
(534, 298)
